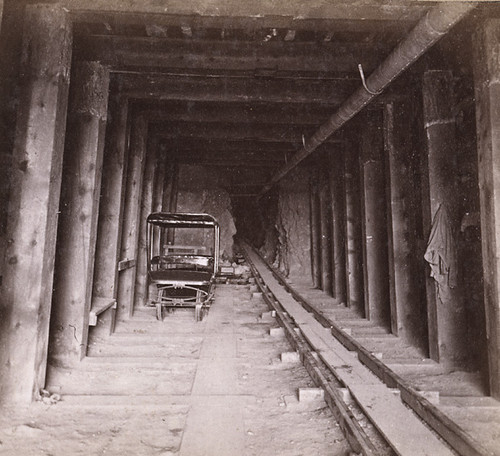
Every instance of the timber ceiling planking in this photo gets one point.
(238, 84)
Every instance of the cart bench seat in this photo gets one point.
(180, 275)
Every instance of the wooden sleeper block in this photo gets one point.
(276, 332)
(310, 394)
(290, 357)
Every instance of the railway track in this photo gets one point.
(372, 414)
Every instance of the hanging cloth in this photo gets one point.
(441, 253)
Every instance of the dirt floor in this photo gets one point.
(177, 387)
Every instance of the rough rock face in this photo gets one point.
(201, 192)
(292, 224)
(268, 216)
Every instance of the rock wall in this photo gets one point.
(268, 216)
(202, 191)
(293, 252)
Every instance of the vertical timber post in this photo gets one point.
(160, 186)
(354, 248)
(167, 185)
(26, 293)
(141, 279)
(487, 91)
(337, 192)
(81, 186)
(131, 215)
(374, 197)
(112, 200)
(315, 237)
(408, 314)
(160, 178)
(167, 190)
(439, 121)
(326, 235)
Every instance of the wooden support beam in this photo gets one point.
(35, 190)
(158, 53)
(260, 12)
(131, 214)
(226, 89)
(408, 310)
(146, 207)
(231, 163)
(487, 90)
(449, 328)
(315, 225)
(81, 187)
(375, 225)
(247, 26)
(172, 200)
(244, 147)
(112, 201)
(337, 198)
(159, 178)
(354, 249)
(160, 183)
(245, 113)
(232, 131)
(167, 187)
(326, 234)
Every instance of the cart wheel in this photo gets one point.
(198, 315)
(159, 312)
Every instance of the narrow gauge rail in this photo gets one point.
(372, 416)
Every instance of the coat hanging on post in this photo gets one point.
(441, 253)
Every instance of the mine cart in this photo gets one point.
(183, 260)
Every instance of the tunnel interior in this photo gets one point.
(199, 113)
(225, 107)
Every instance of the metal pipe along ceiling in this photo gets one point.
(435, 24)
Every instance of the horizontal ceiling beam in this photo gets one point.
(260, 11)
(197, 154)
(226, 157)
(229, 55)
(224, 89)
(230, 164)
(226, 131)
(202, 112)
(279, 149)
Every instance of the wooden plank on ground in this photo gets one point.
(403, 430)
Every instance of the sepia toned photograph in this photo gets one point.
(249, 228)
